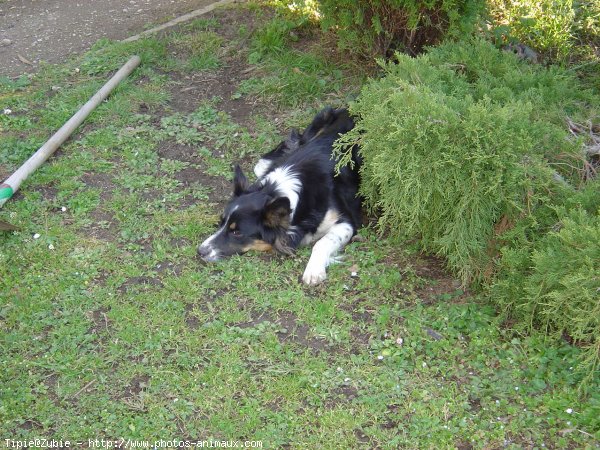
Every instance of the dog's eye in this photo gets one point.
(236, 233)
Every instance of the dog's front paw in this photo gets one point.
(314, 275)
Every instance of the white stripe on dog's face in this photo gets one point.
(206, 250)
(287, 185)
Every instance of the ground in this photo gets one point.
(33, 32)
(113, 329)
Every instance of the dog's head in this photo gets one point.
(254, 219)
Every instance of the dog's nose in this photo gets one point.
(207, 253)
(204, 251)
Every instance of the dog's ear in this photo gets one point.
(277, 213)
(240, 182)
(292, 142)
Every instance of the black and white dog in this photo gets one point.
(297, 200)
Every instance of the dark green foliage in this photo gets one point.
(464, 150)
(552, 280)
(456, 141)
(560, 31)
(380, 26)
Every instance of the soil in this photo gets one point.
(34, 31)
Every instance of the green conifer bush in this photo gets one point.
(376, 27)
(466, 149)
(551, 280)
(460, 140)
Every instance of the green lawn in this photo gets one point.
(111, 327)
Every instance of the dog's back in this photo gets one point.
(329, 123)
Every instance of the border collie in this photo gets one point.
(298, 199)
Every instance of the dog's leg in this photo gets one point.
(324, 250)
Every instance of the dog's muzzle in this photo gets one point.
(207, 253)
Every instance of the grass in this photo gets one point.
(112, 328)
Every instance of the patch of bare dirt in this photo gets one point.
(136, 386)
(48, 192)
(102, 181)
(190, 89)
(298, 333)
(100, 321)
(103, 226)
(341, 395)
(437, 281)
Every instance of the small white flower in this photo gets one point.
(346, 380)
(63, 209)
(339, 369)
(7, 111)
(51, 247)
(569, 410)
(424, 364)
(399, 341)
(36, 236)
(380, 357)
(516, 388)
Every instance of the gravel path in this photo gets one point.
(32, 31)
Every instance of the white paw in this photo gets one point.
(262, 167)
(314, 275)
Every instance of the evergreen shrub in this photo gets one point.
(458, 145)
(377, 27)
(466, 150)
(551, 281)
